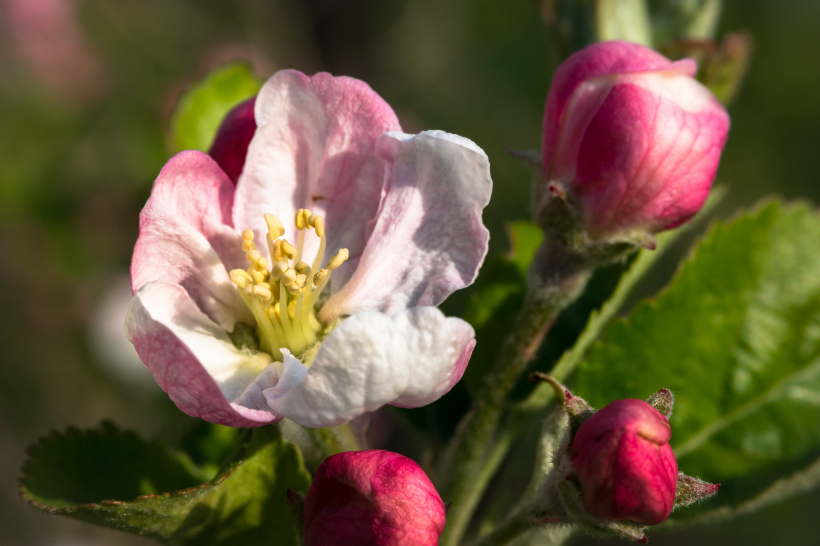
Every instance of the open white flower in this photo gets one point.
(308, 290)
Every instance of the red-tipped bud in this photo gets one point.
(632, 137)
(372, 497)
(231, 143)
(622, 459)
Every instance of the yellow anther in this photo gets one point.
(261, 264)
(319, 225)
(240, 277)
(253, 256)
(261, 292)
(338, 259)
(288, 249)
(301, 267)
(277, 251)
(301, 219)
(300, 281)
(247, 234)
(288, 277)
(248, 245)
(292, 309)
(279, 269)
(260, 276)
(320, 276)
(248, 289)
(312, 220)
(275, 227)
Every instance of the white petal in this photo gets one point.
(428, 239)
(194, 361)
(409, 359)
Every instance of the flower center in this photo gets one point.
(282, 297)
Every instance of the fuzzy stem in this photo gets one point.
(508, 530)
(563, 276)
(467, 486)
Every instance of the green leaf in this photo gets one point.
(97, 476)
(737, 339)
(202, 108)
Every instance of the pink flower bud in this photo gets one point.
(372, 497)
(632, 137)
(623, 461)
(231, 142)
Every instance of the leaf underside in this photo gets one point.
(103, 476)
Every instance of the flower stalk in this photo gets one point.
(550, 289)
(332, 440)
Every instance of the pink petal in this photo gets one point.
(186, 235)
(230, 146)
(409, 359)
(372, 497)
(428, 239)
(193, 360)
(650, 153)
(314, 149)
(597, 60)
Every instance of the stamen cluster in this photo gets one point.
(282, 297)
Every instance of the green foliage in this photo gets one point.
(115, 479)
(202, 108)
(497, 297)
(737, 339)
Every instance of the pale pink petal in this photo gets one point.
(409, 359)
(428, 239)
(187, 237)
(193, 360)
(314, 149)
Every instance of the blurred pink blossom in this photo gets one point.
(48, 38)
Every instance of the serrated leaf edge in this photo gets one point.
(22, 491)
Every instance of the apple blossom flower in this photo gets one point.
(308, 290)
(625, 466)
(632, 138)
(372, 497)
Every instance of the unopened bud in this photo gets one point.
(624, 464)
(357, 492)
(632, 138)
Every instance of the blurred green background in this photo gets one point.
(87, 88)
